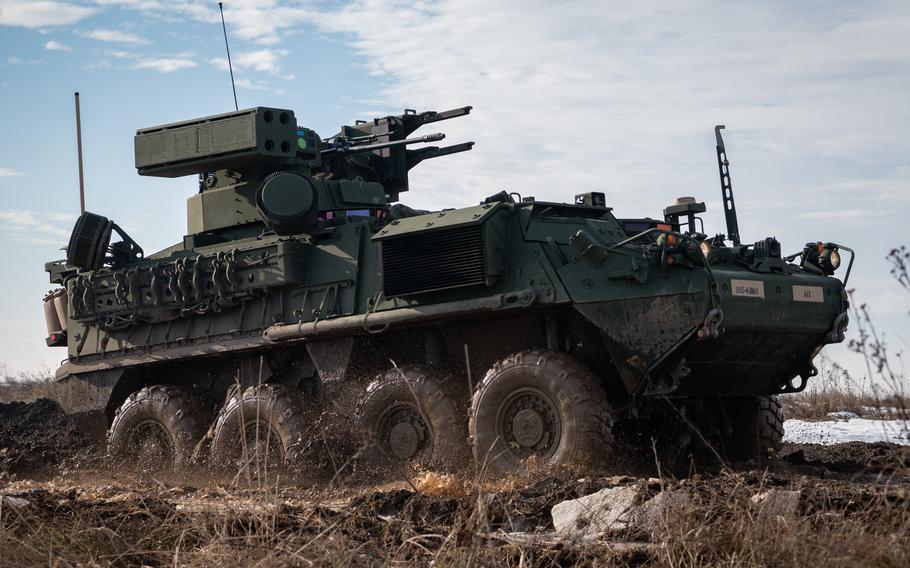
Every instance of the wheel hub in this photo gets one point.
(263, 445)
(404, 433)
(530, 423)
(403, 440)
(153, 444)
(528, 427)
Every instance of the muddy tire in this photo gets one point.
(770, 427)
(755, 428)
(539, 407)
(412, 415)
(273, 420)
(157, 428)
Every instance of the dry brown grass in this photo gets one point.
(834, 390)
(836, 526)
(839, 523)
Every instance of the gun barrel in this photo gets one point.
(379, 146)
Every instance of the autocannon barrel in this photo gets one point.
(360, 148)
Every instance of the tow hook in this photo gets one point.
(711, 327)
(798, 382)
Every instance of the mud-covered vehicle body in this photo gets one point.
(521, 327)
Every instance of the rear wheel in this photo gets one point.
(411, 414)
(539, 407)
(157, 428)
(262, 428)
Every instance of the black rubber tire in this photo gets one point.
(770, 427)
(572, 393)
(754, 428)
(419, 398)
(166, 411)
(281, 413)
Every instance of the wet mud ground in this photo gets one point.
(61, 504)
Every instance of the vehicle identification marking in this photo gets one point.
(808, 294)
(748, 288)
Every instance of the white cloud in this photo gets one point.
(165, 64)
(251, 85)
(844, 215)
(13, 60)
(34, 15)
(6, 172)
(56, 46)
(262, 22)
(264, 60)
(101, 64)
(116, 36)
(119, 54)
(27, 223)
(220, 62)
(579, 98)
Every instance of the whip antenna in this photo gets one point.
(228, 49)
(79, 154)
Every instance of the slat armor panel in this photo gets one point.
(451, 258)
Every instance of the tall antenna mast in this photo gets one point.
(228, 49)
(726, 187)
(79, 154)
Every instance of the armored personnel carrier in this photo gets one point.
(521, 330)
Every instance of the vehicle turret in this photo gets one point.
(259, 165)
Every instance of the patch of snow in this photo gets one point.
(884, 410)
(852, 430)
(843, 415)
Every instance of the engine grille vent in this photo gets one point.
(451, 258)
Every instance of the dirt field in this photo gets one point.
(60, 506)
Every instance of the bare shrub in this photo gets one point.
(27, 387)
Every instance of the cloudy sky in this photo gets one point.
(568, 97)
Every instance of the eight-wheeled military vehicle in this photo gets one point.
(525, 330)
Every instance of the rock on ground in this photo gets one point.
(593, 515)
(651, 516)
(616, 509)
(776, 503)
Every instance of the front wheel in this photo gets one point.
(770, 427)
(539, 407)
(755, 428)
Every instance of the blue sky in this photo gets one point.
(568, 97)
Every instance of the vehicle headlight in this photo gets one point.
(833, 259)
(705, 247)
(821, 257)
